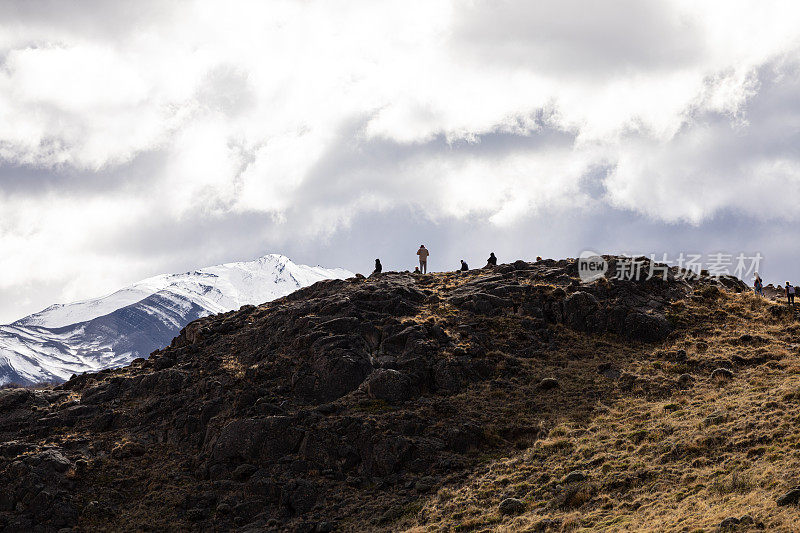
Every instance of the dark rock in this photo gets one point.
(747, 520)
(581, 312)
(729, 523)
(128, 449)
(721, 375)
(512, 506)
(548, 384)
(685, 381)
(299, 496)
(390, 385)
(250, 438)
(646, 327)
(449, 376)
(387, 454)
(425, 484)
(334, 374)
(608, 371)
(790, 498)
(574, 477)
(53, 460)
(243, 472)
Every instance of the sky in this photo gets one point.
(145, 137)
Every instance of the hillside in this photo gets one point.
(509, 399)
(110, 331)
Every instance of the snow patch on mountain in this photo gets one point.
(112, 330)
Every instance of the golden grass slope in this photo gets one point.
(655, 460)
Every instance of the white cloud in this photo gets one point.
(312, 113)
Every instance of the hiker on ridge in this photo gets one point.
(464, 266)
(492, 261)
(758, 285)
(423, 258)
(378, 267)
(789, 294)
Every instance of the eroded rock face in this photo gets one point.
(281, 414)
(582, 312)
(392, 386)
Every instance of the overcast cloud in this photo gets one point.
(145, 137)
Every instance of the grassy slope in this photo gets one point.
(656, 459)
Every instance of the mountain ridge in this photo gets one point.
(111, 330)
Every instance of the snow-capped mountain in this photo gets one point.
(110, 331)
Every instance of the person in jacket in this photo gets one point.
(378, 267)
(423, 258)
(492, 261)
(464, 266)
(758, 285)
(789, 294)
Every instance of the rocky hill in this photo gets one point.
(509, 399)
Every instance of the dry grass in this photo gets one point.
(657, 457)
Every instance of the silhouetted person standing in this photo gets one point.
(789, 294)
(378, 267)
(758, 285)
(423, 258)
(464, 266)
(492, 261)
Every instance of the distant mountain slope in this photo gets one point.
(112, 330)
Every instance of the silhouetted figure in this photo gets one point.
(464, 266)
(492, 261)
(758, 285)
(423, 254)
(416, 270)
(789, 294)
(378, 267)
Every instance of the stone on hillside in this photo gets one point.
(512, 506)
(721, 375)
(685, 381)
(548, 383)
(574, 477)
(581, 312)
(390, 385)
(790, 498)
(646, 327)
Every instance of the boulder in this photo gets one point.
(267, 439)
(548, 384)
(574, 477)
(790, 498)
(390, 385)
(721, 375)
(511, 506)
(646, 327)
(582, 312)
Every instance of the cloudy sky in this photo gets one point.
(145, 137)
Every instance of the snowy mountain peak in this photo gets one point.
(221, 288)
(132, 322)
